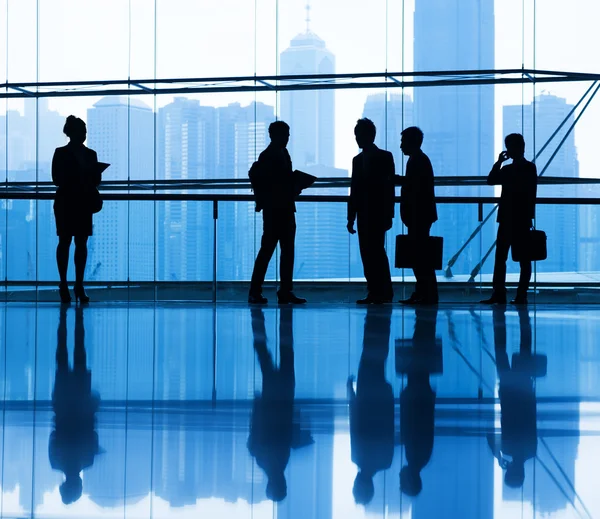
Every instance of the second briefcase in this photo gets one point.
(407, 255)
(533, 249)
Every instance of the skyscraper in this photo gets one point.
(121, 131)
(589, 231)
(49, 137)
(560, 222)
(390, 116)
(458, 121)
(310, 113)
(13, 148)
(204, 142)
(186, 150)
(31, 234)
(243, 135)
(320, 252)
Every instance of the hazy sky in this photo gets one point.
(99, 39)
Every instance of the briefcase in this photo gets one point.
(532, 365)
(534, 247)
(411, 360)
(407, 255)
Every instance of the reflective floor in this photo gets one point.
(191, 410)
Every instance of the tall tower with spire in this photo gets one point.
(310, 113)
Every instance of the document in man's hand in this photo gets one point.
(303, 180)
(102, 166)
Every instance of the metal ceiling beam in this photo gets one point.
(266, 83)
(142, 87)
(23, 91)
(371, 80)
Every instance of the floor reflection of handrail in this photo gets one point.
(564, 475)
(476, 316)
(560, 488)
(456, 346)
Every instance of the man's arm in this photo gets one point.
(350, 389)
(390, 190)
(352, 199)
(495, 176)
(351, 403)
(420, 177)
(532, 190)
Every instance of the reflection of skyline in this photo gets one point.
(189, 451)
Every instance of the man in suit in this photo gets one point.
(372, 405)
(273, 184)
(515, 215)
(275, 426)
(418, 212)
(417, 401)
(372, 204)
(517, 441)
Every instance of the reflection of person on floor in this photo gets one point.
(518, 439)
(74, 441)
(417, 403)
(274, 430)
(372, 405)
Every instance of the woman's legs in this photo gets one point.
(80, 259)
(62, 257)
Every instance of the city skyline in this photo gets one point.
(126, 129)
(189, 139)
(171, 395)
(164, 363)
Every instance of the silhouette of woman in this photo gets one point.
(74, 441)
(76, 173)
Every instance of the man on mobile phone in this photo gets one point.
(515, 215)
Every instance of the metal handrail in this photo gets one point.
(222, 197)
(29, 187)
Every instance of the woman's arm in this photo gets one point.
(57, 168)
(96, 174)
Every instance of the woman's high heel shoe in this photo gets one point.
(80, 294)
(65, 295)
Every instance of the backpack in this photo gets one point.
(255, 174)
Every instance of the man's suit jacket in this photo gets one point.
(372, 187)
(272, 180)
(417, 198)
(519, 190)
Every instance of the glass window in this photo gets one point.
(82, 40)
(218, 135)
